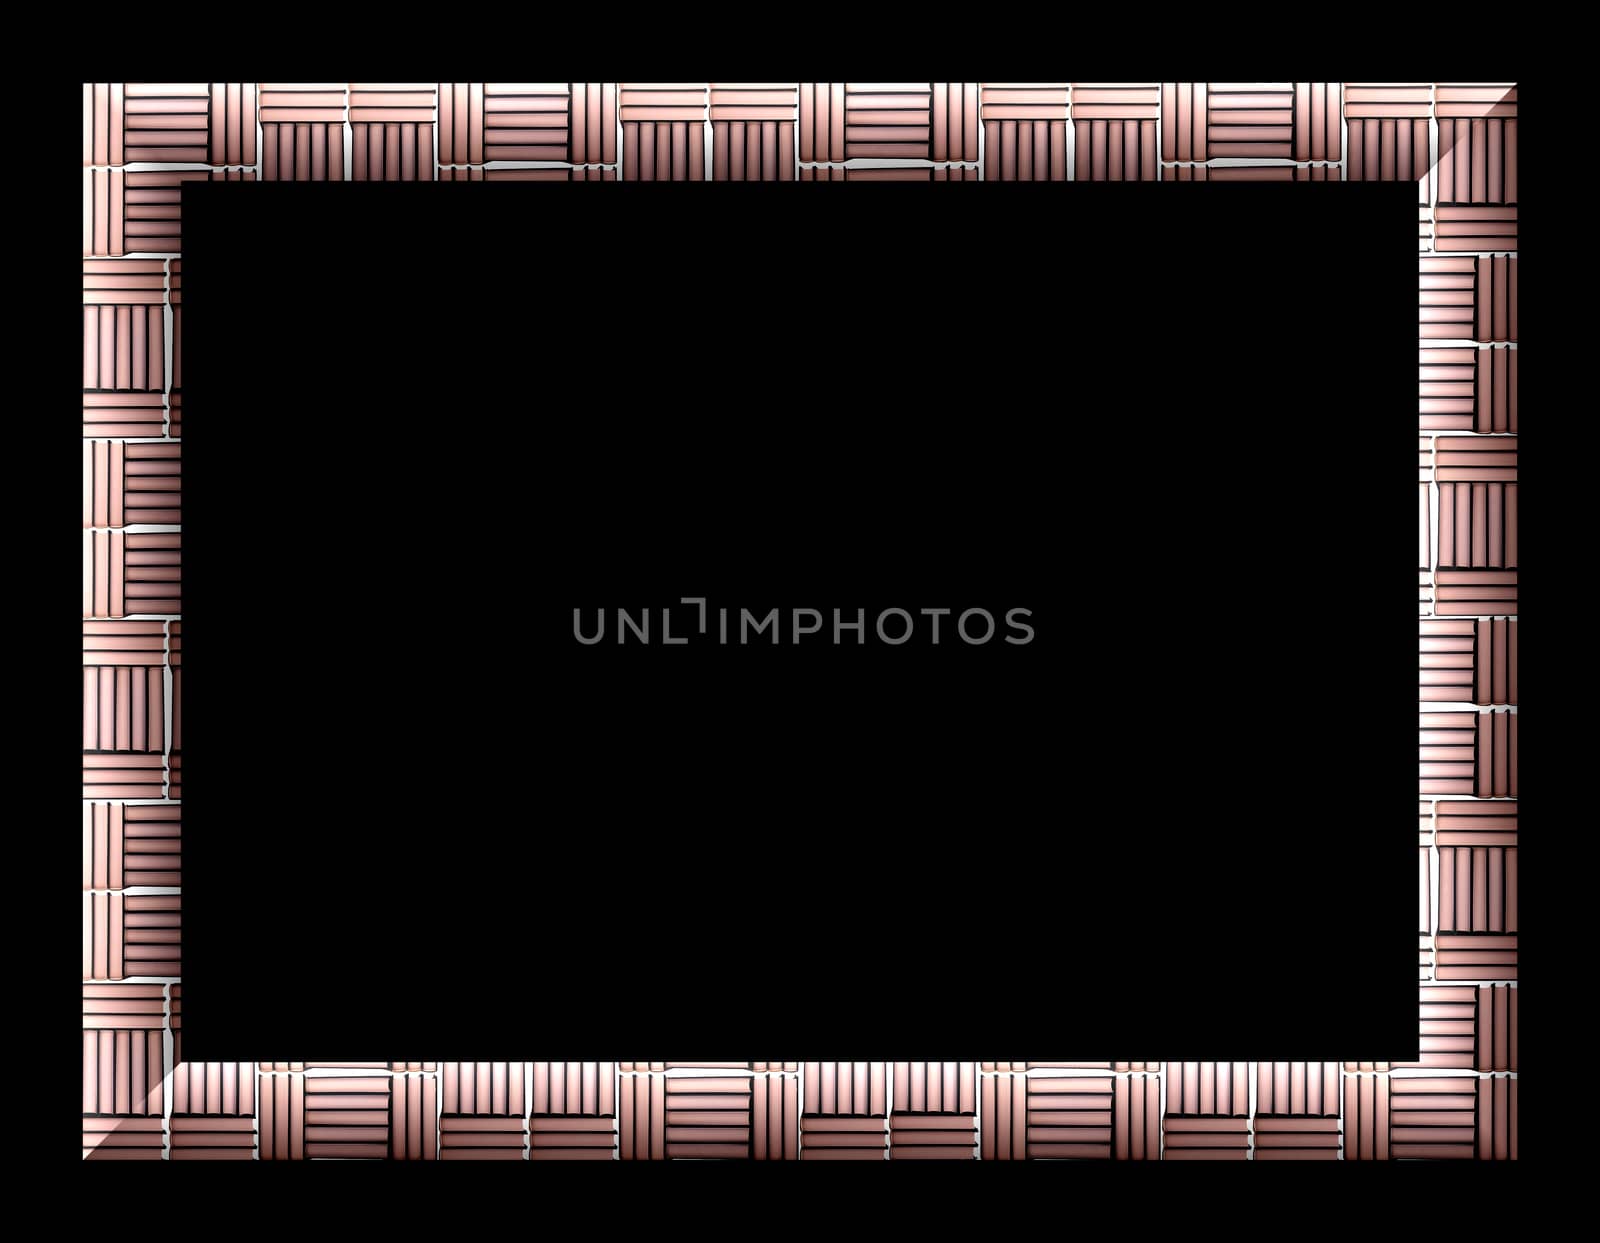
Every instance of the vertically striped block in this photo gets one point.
(642, 1115)
(1136, 1116)
(282, 1106)
(1366, 1116)
(1318, 134)
(1114, 131)
(1024, 131)
(775, 1112)
(413, 1116)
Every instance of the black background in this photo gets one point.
(426, 422)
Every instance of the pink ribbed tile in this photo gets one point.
(1115, 131)
(391, 131)
(752, 131)
(1024, 131)
(663, 130)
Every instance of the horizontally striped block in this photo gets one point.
(1071, 1116)
(1468, 389)
(1433, 1117)
(888, 120)
(1251, 120)
(752, 131)
(130, 935)
(302, 131)
(945, 172)
(123, 1007)
(391, 131)
(1114, 131)
(663, 130)
(573, 1111)
(1024, 131)
(708, 1116)
(347, 1116)
(123, 1139)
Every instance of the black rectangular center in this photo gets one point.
(856, 621)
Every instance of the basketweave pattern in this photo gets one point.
(1456, 141)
